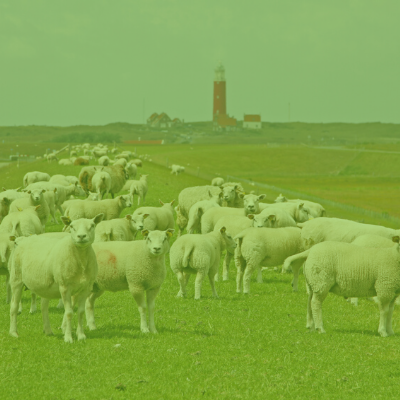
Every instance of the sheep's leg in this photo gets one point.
(33, 308)
(211, 275)
(60, 209)
(389, 329)
(53, 215)
(45, 316)
(8, 286)
(66, 324)
(251, 266)
(310, 320)
(225, 270)
(384, 312)
(80, 300)
(182, 284)
(197, 285)
(90, 309)
(316, 307)
(240, 266)
(259, 275)
(15, 301)
(139, 297)
(60, 304)
(151, 300)
(354, 301)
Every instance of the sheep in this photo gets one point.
(80, 161)
(51, 157)
(22, 223)
(11, 194)
(177, 169)
(121, 229)
(73, 153)
(91, 197)
(138, 162)
(121, 161)
(35, 176)
(54, 268)
(159, 218)
(4, 207)
(65, 161)
(297, 211)
(272, 218)
(138, 266)
(110, 208)
(6, 248)
(140, 188)
(231, 191)
(101, 183)
(200, 255)
(347, 270)
(35, 198)
(217, 182)
(131, 170)
(99, 153)
(316, 210)
(127, 185)
(339, 230)
(198, 209)
(104, 161)
(263, 246)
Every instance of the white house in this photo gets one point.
(252, 121)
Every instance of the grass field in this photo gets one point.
(253, 346)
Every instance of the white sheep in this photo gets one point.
(6, 248)
(104, 161)
(231, 194)
(297, 211)
(121, 161)
(91, 197)
(137, 266)
(22, 223)
(139, 188)
(110, 208)
(159, 218)
(351, 271)
(101, 183)
(272, 218)
(51, 157)
(217, 182)
(120, 229)
(65, 161)
(131, 169)
(54, 268)
(316, 210)
(177, 169)
(35, 176)
(263, 247)
(200, 255)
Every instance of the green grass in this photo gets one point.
(237, 346)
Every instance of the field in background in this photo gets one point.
(236, 347)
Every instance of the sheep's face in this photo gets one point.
(36, 195)
(302, 213)
(136, 221)
(79, 191)
(228, 239)
(263, 221)
(251, 202)
(93, 196)
(83, 230)
(229, 193)
(126, 201)
(281, 199)
(158, 241)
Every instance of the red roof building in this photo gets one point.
(252, 121)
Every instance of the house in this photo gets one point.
(252, 121)
(223, 122)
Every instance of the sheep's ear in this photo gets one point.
(170, 232)
(223, 230)
(98, 218)
(6, 201)
(272, 217)
(301, 205)
(128, 217)
(29, 191)
(262, 196)
(18, 188)
(395, 239)
(172, 202)
(241, 195)
(161, 202)
(12, 238)
(250, 216)
(221, 195)
(76, 183)
(44, 191)
(209, 193)
(145, 233)
(66, 220)
(37, 207)
(145, 216)
(4, 189)
(19, 209)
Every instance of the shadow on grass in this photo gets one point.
(357, 331)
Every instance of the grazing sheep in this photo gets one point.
(316, 210)
(139, 188)
(81, 161)
(177, 169)
(53, 268)
(104, 161)
(137, 266)
(91, 197)
(110, 208)
(263, 246)
(272, 218)
(99, 153)
(297, 211)
(65, 161)
(200, 255)
(159, 218)
(120, 229)
(101, 183)
(35, 176)
(22, 223)
(121, 161)
(138, 162)
(217, 182)
(35, 198)
(351, 271)
(51, 157)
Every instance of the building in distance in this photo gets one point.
(252, 121)
(163, 121)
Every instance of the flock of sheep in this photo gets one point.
(97, 250)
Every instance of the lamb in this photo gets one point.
(140, 188)
(263, 246)
(200, 255)
(110, 208)
(101, 183)
(35, 198)
(177, 169)
(316, 210)
(138, 266)
(231, 194)
(217, 182)
(54, 268)
(121, 229)
(35, 176)
(159, 218)
(22, 223)
(51, 157)
(104, 161)
(339, 230)
(272, 218)
(198, 209)
(297, 211)
(347, 270)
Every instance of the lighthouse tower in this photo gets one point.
(219, 91)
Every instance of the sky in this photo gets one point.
(97, 62)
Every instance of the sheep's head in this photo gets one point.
(251, 202)
(263, 220)
(228, 239)
(79, 190)
(158, 241)
(93, 196)
(281, 199)
(302, 213)
(125, 201)
(216, 198)
(83, 230)
(136, 221)
(36, 195)
(229, 193)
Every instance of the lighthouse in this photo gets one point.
(221, 120)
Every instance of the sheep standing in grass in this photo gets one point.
(177, 169)
(200, 255)
(104, 161)
(101, 183)
(54, 268)
(351, 271)
(35, 176)
(137, 266)
(131, 170)
(22, 223)
(91, 197)
(139, 188)
(217, 182)
(263, 247)
(158, 218)
(315, 209)
(120, 229)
